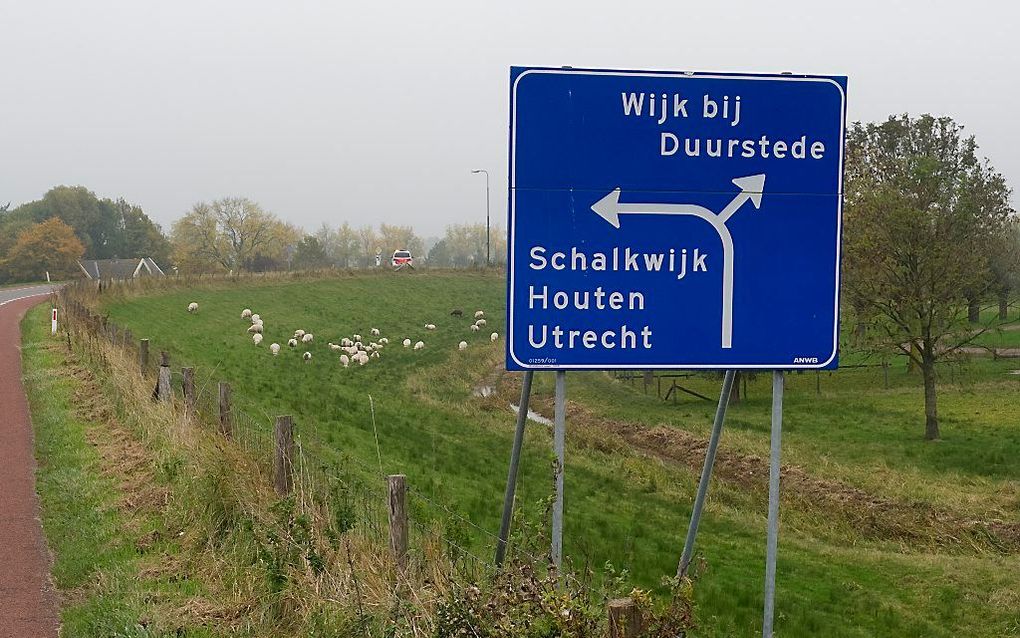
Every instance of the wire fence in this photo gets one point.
(348, 493)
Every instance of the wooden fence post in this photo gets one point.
(624, 618)
(164, 391)
(143, 355)
(188, 388)
(226, 425)
(398, 518)
(283, 462)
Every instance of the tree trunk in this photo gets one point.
(931, 415)
(735, 389)
(1003, 307)
(973, 311)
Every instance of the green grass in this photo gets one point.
(96, 558)
(833, 579)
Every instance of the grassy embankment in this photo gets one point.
(908, 566)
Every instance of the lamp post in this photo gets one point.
(488, 259)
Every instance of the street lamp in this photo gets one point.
(488, 260)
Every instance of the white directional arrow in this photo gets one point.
(751, 187)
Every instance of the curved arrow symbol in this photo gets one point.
(751, 187)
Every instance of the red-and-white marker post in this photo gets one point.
(53, 322)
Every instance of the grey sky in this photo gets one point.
(369, 112)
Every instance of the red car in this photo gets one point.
(402, 258)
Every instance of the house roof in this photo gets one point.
(119, 268)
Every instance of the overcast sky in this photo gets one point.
(377, 111)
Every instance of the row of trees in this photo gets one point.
(235, 234)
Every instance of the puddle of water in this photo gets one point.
(532, 415)
(1014, 372)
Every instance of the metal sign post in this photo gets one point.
(706, 474)
(515, 461)
(559, 445)
(772, 543)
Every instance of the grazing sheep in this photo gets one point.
(480, 323)
(474, 328)
(419, 345)
(307, 338)
(375, 332)
(430, 326)
(479, 314)
(362, 358)
(307, 356)
(335, 348)
(456, 312)
(351, 350)
(494, 336)
(298, 334)
(274, 348)
(345, 360)
(292, 343)
(246, 313)
(406, 342)
(192, 307)
(384, 341)
(257, 338)
(256, 319)
(356, 337)
(255, 329)
(462, 345)
(346, 342)
(375, 355)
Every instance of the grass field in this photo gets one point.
(847, 567)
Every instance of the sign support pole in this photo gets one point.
(706, 473)
(515, 459)
(773, 526)
(559, 445)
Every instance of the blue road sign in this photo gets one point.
(674, 220)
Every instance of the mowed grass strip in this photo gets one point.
(97, 558)
(621, 507)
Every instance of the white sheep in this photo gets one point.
(462, 345)
(494, 336)
(335, 348)
(346, 342)
(255, 329)
(292, 343)
(256, 319)
(375, 332)
(356, 337)
(192, 307)
(298, 334)
(375, 355)
(430, 326)
(345, 360)
(362, 358)
(419, 345)
(274, 348)
(307, 356)
(474, 328)
(406, 342)
(480, 323)
(246, 313)
(384, 341)
(307, 338)
(257, 338)
(479, 314)
(351, 350)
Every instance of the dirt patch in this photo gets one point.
(871, 516)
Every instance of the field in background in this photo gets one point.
(874, 537)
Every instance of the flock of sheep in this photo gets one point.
(351, 349)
